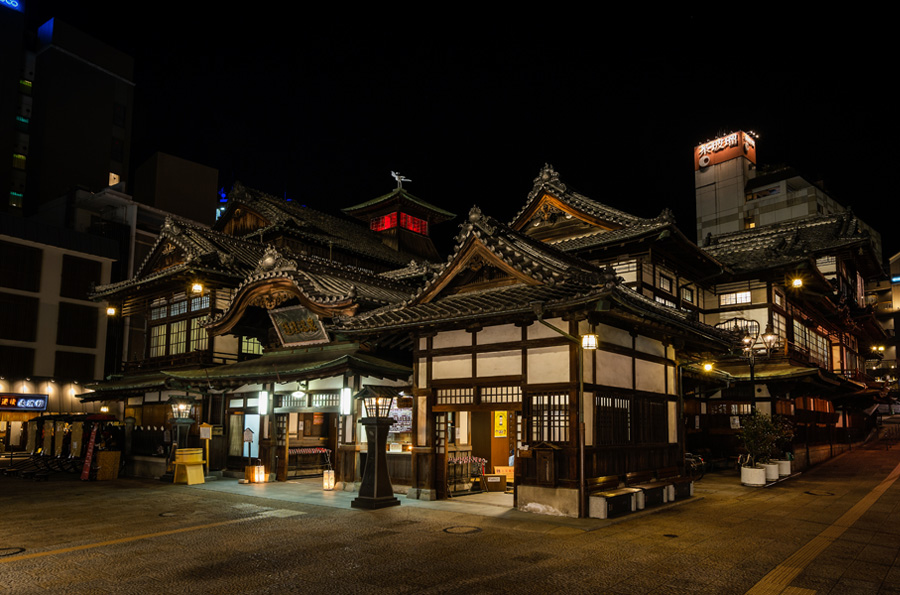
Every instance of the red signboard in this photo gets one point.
(719, 150)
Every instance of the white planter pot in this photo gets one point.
(784, 467)
(771, 471)
(753, 476)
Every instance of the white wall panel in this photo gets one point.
(502, 363)
(613, 369)
(548, 364)
(451, 366)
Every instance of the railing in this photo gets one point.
(203, 358)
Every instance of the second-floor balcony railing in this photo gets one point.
(201, 358)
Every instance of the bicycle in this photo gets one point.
(694, 466)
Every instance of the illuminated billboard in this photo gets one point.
(23, 402)
(719, 150)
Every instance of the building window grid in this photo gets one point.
(455, 396)
(665, 283)
(501, 394)
(613, 420)
(550, 417)
(687, 294)
(251, 346)
(326, 399)
(665, 302)
(177, 336)
(731, 299)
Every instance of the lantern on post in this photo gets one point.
(376, 490)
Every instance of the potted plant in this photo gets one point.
(783, 444)
(758, 435)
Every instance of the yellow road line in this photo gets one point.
(121, 540)
(778, 580)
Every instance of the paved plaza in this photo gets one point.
(829, 530)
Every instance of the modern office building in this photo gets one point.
(65, 112)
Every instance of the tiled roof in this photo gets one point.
(563, 281)
(322, 282)
(401, 194)
(548, 182)
(782, 244)
(206, 251)
(315, 227)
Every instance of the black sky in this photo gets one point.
(321, 107)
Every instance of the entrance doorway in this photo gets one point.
(479, 449)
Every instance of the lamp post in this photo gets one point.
(589, 341)
(750, 344)
(376, 490)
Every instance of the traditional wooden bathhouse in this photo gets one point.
(232, 319)
(805, 281)
(652, 256)
(500, 373)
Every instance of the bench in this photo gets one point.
(653, 492)
(680, 485)
(608, 499)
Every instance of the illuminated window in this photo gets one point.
(666, 302)
(738, 297)
(749, 223)
(177, 337)
(157, 340)
(24, 87)
(178, 332)
(687, 294)
(199, 338)
(113, 179)
(15, 200)
(251, 345)
(413, 224)
(18, 161)
(384, 222)
(665, 283)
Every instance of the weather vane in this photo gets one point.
(400, 179)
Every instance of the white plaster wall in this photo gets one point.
(651, 346)
(650, 376)
(548, 364)
(460, 338)
(539, 331)
(613, 369)
(452, 366)
(327, 383)
(503, 363)
(500, 334)
(673, 422)
(421, 381)
(610, 334)
(673, 388)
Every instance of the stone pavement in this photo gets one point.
(829, 530)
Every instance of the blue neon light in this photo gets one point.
(13, 4)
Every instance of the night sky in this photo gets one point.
(321, 107)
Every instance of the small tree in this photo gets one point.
(759, 435)
(784, 435)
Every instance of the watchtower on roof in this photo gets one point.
(402, 220)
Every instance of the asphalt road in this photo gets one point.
(829, 530)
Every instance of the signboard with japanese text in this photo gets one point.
(298, 326)
(719, 150)
(23, 402)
